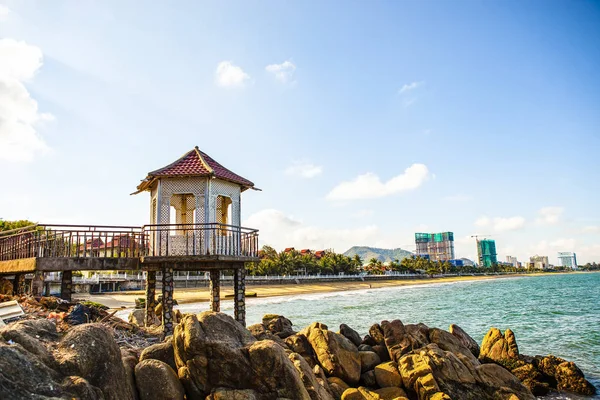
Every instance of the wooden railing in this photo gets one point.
(82, 241)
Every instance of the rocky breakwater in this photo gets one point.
(210, 356)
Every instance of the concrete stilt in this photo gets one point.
(215, 291)
(18, 284)
(150, 297)
(167, 300)
(37, 284)
(66, 285)
(239, 295)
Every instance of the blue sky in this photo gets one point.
(363, 122)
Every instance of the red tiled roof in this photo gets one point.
(195, 163)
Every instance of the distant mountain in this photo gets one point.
(384, 255)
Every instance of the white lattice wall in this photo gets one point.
(227, 189)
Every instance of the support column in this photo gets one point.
(167, 300)
(150, 297)
(37, 284)
(18, 284)
(66, 285)
(215, 290)
(239, 295)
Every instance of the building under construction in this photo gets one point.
(435, 246)
(486, 252)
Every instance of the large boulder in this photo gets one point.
(335, 353)
(315, 390)
(278, 325)
(274, 373)
(337, 386)
(137, 317)
(261, 333)
(391, 393)
(565, 375)
(298, 343)
(400, 339)
(90, 351)
(81, 388)
(532, 379)
(156, 380)
(210, 352)
(375, 336)
(161, 351)
(431, 371)
(368, 360)
(500, 348)
(350, 334)
(387, 375)
(448, 342)
(464, 338)
(25, 332)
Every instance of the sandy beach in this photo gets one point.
(127, 299)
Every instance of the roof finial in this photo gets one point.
(196, 148)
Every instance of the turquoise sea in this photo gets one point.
(550, 314)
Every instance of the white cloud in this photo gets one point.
(501, 224)
(363, 213)
(458, 198)
(4, 11)
(283, 72)
(591, 229)
(410, 86)
(549, 215)
(19, 115)
(230, 75)
(281, 231)
(304, 169)
(369, 185)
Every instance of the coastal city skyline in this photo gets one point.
(353, 141)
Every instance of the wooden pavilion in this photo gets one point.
(195, 225)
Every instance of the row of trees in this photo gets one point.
(10, 225)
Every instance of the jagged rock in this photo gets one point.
(41, 329)
(232, 394)
(192, 391)
(566, 375)
(363, 393)
(430, 370)
(261, 333)
(298, 343)
(376, 333)
(336, 354)
(137, 317)
(391, 393)
(130, 360)
(532, 379)
(23, 376)
(278, 325)
(274, 372)
(352, 394)
(210, 349)
(368, 340)
(322, 378)
(400, 339)
(22, 334)
(337, 386)
(499, 348)
(368, 360)
(368, 379)
(464, 338)
(81, 388)
(447, 341)
(90, 351)
(156, 380)
(387, 375)
(350, 334)
(161, 351)
(315, 390)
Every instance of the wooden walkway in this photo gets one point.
(167, 248)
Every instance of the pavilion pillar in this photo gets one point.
(167, 300)
(215, 290)
(239, 295)
(37, 284)
(18, 284)
(150, 297)
(66, 285)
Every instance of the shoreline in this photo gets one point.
(120, 300)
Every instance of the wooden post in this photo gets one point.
(167, 300)
(215, 290)
(37, 284)
(66, 285)
(239, 295)
(150, 297)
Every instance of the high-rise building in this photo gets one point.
(512, 261)
(435, 246)
(567, 259)
(539, 262)
(486, 252)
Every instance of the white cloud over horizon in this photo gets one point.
(228, 74)
(283, 72)
(410, 86)
(280, 231)
(370, 186)
(4, 11)
(549, 215)
(19, 115)
(304, 169)
(501, 224)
